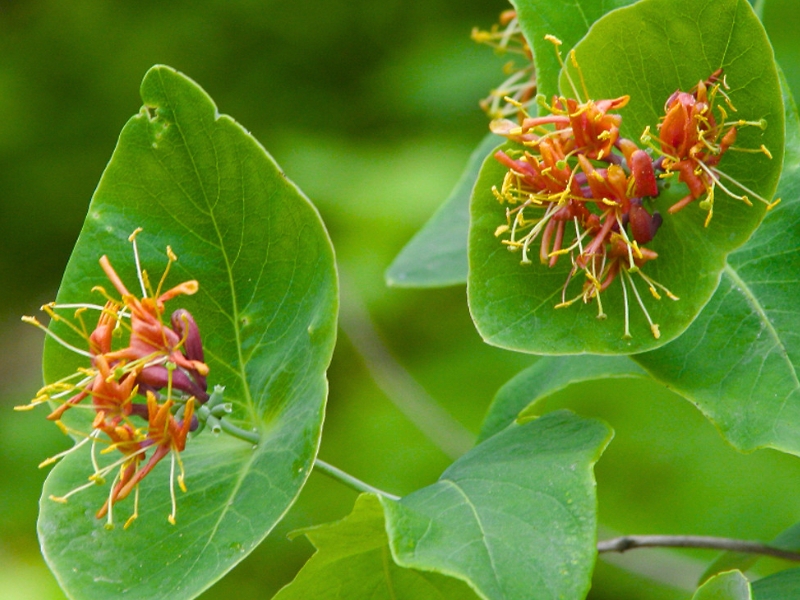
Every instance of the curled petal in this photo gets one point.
(185, 326)
(643, 225)
(642, 169)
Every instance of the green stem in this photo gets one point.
(349, 480)
(238, 432)
(320, 465)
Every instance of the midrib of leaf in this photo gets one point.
(756, 305)
(237, 333)
(245, 468)
(480, 526)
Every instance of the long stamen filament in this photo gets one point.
(60, 455)
(33, 321)
(653, 326)
(627, 333)
(171, 517)
(139, 272)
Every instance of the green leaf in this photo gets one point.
(437, 255)
(647, 50)
(196, 180)
(731, 585)
(738, 361)
(515, 517)
(521, 396)
(353, 560)
(780, 586)
(568, 20)
(788, 539)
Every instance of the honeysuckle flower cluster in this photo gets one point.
(145, 382)
(691, 143)
(580, 191)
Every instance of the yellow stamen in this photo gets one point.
(627, 331)
(33, 321)
(135, 514)
(653, 326)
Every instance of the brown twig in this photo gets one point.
(630, 542)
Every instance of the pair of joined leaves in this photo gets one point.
(674, 46)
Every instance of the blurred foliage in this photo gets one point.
(371, 107)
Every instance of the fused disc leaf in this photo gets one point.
(516, 517)
(266, 308)
(647, 51)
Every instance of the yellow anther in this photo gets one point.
(636, 250)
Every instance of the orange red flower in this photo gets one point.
(159, 362)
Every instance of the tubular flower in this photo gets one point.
(161, 361)
(577, 187)
(692, 141)
(166, 434)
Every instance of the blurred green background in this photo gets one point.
(371, 107)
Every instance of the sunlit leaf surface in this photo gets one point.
(197, 181)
